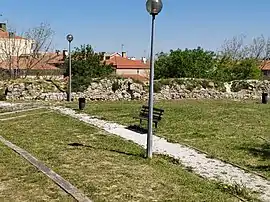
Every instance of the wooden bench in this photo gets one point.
(144, 115)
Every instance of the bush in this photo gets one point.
(4, 75)
(199, 63)
(157, 86)
(116, 86)
(2, 95)
(239, 85)
(86, 65)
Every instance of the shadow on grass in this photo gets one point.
(111, 150)
(261, 168)
(137, 129)
(262, 151)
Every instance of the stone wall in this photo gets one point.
(127, 89)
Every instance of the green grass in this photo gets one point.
(228, 130)
(19, 113)
(104, 167)
(19, 181)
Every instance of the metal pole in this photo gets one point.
(69, 83)
(151, 94)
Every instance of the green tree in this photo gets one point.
(196, 63)
(86, 64)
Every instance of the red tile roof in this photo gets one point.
(265, 65)
(125, 63)
(49, 61)
(4, 34)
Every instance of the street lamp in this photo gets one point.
(153, 7)
(70, 39)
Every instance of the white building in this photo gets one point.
(12, 45)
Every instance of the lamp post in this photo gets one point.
(153, 7)
(70, 39)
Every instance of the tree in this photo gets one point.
(196, 63)
(243, 69)
(236, 49)
(86, 64)
(27, 50)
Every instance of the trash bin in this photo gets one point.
(81, 103)
(264, 98)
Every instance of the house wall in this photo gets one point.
(14, 47)
(266, 72)
(142, 72)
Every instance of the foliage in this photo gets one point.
(157, 86)
(194, 63)
(200, 63)
(2, 95)
(4, 75)
(116, 86)
(228, 70)
(86, 65)
(239, 85)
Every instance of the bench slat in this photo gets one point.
(144, 114)
(155, 109)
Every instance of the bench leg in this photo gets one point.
(140, 123)
(156, 125)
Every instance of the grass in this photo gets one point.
(229, 130)
(19, 181)
(19, 113)
(104, 167)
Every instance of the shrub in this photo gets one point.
(2, 95)
(116, 86)
(239, 85)
(157, 86)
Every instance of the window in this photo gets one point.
(107, 57)
(138, 71)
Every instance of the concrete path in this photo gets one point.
(202, 165)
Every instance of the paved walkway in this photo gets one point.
(200, 164)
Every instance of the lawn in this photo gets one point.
(232, 131)
(19, 181)
(104, 167)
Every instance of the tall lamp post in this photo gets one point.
(70, 39)
(153, 7)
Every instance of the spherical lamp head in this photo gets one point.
(69, 38)
(154, 6)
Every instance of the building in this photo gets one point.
(128, 67)
(17, 57)
(13, 45)
(265, 68)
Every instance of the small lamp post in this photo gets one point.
(153, 7)
(70, 39)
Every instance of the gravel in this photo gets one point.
(199, 162)
(5, 104)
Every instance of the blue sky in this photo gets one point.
(106, 24)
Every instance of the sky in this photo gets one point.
(107, 24)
